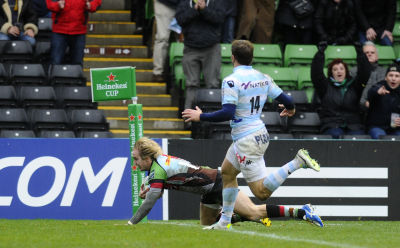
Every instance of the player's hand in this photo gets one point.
(371, 34)
(13, 30)
(192, 114)
(388, 34)
(143, 191)
(29, 32)
(383, 91)
(286, 112)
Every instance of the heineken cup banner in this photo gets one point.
(135, 115)
(114, 83)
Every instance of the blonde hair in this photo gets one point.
(148, 148)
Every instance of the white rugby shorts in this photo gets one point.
(247, 155)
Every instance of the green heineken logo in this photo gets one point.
(115, 83)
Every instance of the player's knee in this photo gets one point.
(262, 194)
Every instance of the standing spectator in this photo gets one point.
(256, 21)
(377, 72)
(376, 20)
(18, 21)
(228, 27)
(164, 11)
(384, 111)
(201, 26)
(138, 11)
(69, 28)
(294, 29)
(339, 93)
(334, 22)
(41, 9)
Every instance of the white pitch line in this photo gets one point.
(271, 235)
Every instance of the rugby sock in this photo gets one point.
(229, 197)
(276, 178)
(283, 211)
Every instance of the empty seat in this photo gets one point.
(13, 118)
(208, 99)
(285, 77)
(299, 54)
(226, 70)
(37, 96)
(74, 97)
(175, 53)
(42, 52)
(3, 75)
(96, 134)
(356, 137)
(218, 130)
(396, 32)
(179, 76)
(56, 134)
(48, 119)
(45, 28)
(28, 74)
(17, 134)
(17, 51)
(315, 136)
(386, 55)
(273, 122)
(346, 53)
(267, 54)
(300, 99)
(304, 122)
(390, 137)
(88, 119)
(8, 96)
(67, 74)
(226, 52)
(279, 136)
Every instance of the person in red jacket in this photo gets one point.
(69, 28)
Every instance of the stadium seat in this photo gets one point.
(48, 119)
(66, 75)
(13, 118)
(17, 134)
(179, 76)
(208, 99)
(396, 32)
(88, 119)
(25, 74)
(285, 77)
(45, 29)
(226, 52)
(346, 53)
(390, 137)
(386, 55)
(273, 122)
(267, 54)
(304, 81)
(356, 137)
(42, 52)
(17, 51)
(37, 96)
(300, 55)
(175, 53)
(304, 122)
(315, 136)
(279, 136)
(74, 97)
(226, 70)
(3, 75)
(56, 134)
(8, 96)
(300, 99)
(96, 134)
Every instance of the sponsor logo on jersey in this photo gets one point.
(230, 83)
(252, 85)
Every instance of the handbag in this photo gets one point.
(301, 8)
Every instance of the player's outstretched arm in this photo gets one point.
(151, 197)
(225, 114)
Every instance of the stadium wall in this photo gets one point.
(90, 178)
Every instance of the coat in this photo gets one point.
(26, 16)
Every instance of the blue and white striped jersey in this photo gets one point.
(248, 89)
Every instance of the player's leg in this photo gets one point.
(247, 209)
(208, 213)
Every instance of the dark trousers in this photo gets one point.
(59, 44)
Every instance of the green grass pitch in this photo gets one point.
(189, 234)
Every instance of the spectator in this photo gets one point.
(376, 20)
(228, 27)
(334, 22)
(384, 111)
(18, 21)
(294, 29)
(339, 93)
(138, 10)
(69, 28)
(256, 21)
(164, 11)
(41, 9)
(377, 72)
(201, 26)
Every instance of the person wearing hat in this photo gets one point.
(384, 111)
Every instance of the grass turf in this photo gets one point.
(188, 234)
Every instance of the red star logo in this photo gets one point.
(132, 118)
(140, 117)
(134, 167)
(111, 77)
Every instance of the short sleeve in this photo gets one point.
(273, 90)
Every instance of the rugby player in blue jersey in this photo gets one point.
(244, 94)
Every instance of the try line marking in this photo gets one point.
(269, 235)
